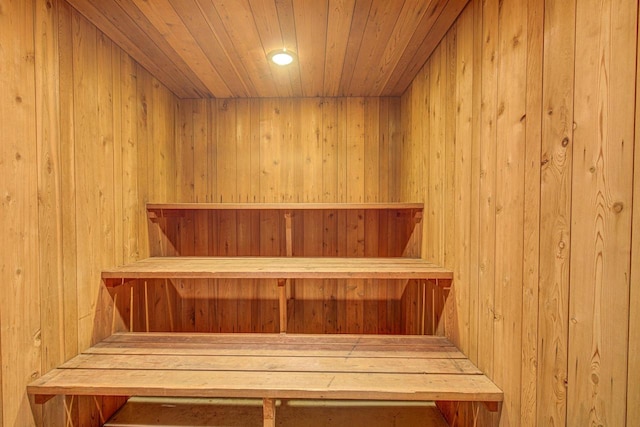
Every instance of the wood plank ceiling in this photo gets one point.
(218, 48)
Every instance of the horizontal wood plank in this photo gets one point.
(329, 372)
(285, 385)
(355, 340)
(284, 206)
(276, 268)
(274, 345)
(305, 362)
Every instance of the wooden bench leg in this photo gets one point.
(282, 304)
(269, 412)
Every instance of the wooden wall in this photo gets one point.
(288, 150)
(93, 137)
(87, 138)
(521, 130)
(519, 135)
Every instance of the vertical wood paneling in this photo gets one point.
(185, 134)
(311, 137)
(549, 352)
(510, 206)
(129, 157)
(555, 221)
(243, 150)
(227, 158)
(462, 177)
(487, 214)
(67, 180)
(476, 132)
(396, 134)
(449, 142)
(329, 150)
(531, 237)
(269, 152)
(50, 204)
(633, 375)
(82, 124)
(19, 264)
(606, 34)
(435, 180)
(413, 153)
(116, 94)
(354, 124)
(106, 189)
(89, 181)
(384, 149)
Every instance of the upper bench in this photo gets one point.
(275, 268)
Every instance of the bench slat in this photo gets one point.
(255, 363)
(276, 268)
(284, 206)
(286, 385)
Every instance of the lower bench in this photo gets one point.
(272, 366)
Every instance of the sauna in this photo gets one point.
(427, 216)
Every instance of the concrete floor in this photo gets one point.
(299, 413)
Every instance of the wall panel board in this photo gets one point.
(532, 203)
(553, 92)
(20, 342)
(555, 223)
(633, 376)
(50, 207)
(512, 54)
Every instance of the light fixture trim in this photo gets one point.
(282, 57)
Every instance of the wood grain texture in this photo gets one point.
(67, 180)
(219, 48)
(126, 118)
(462, 177)
(21, 338)
(72, 151)
(555, 222)
(633, 376)
(532, 337)
(377, 368)
(510, 206)
(600, 216)
(230, 266)
(305, 153)
(50, 206)
(169, 209)
(532, 213)
(487, 214)
(126, 21)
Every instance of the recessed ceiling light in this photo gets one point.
(281, 57)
